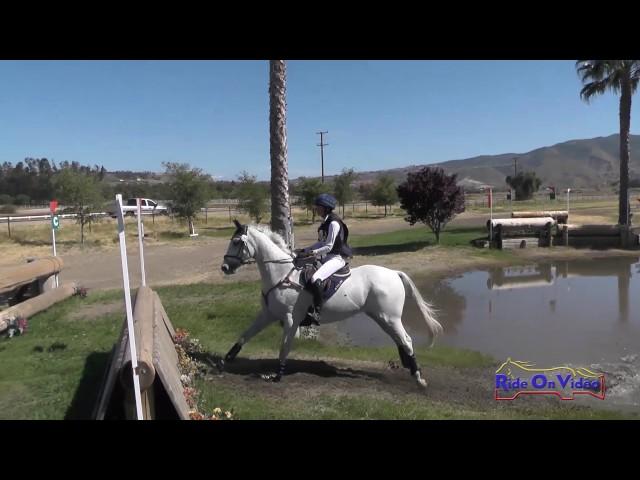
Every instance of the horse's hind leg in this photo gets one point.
(392, 325)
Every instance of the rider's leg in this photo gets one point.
(328, 268)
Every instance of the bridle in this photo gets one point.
(241, 236)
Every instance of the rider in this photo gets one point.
(331, 248)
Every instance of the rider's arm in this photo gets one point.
(322, 248)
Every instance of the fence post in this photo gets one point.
(206, 213)
(230, 213)
(9, 225)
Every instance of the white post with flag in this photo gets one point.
(143, 277)
(55, 224)
(129, 310)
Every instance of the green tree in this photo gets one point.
(620, 77)
(80, 193)
(252, 196)
(22, 200)
(343, 188)
(525, 184)
(308, 189)
(189, 188)
(384, 192)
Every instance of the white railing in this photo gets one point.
(28, 218)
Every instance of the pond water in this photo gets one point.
(578, 312)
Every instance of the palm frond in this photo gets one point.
(593, 89)
(598, 76)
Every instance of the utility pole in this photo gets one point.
(322, 145)
(515, 166)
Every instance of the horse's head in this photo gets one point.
(240, 250)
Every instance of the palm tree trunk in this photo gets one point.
(625, 126)
(278, 149)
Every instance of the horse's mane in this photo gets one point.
(273, 236)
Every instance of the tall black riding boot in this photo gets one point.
(317, 295)
(313, 314)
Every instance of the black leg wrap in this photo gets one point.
(414, 364)
(233, 352)
(408, 361)
(404, 358)
(278, 376)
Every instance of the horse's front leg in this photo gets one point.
(290, 327)
(262, 320)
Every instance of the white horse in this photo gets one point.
(379, 292)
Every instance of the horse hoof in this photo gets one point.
(220, 365)
(421, 381)
(272, 377)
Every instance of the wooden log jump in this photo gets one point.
(519, 223)
(36, 304)
(143, 324)
(158, 367)
(590, 236)
(594, 230)
(560, 216)
(522, 232)
(18, 276)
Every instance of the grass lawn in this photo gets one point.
(54, 371)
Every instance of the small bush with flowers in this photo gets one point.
(190, 368)
(17, 326)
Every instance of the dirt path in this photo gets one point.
(464, 392)
(198, 260)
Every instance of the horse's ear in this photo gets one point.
(237, 223)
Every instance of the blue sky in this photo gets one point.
(134, 115)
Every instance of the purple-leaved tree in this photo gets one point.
(432, 197)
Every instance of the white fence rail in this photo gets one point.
(29, 218)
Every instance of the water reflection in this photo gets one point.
(544, 275)
(577, 310)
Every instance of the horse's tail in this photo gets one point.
(426, 309)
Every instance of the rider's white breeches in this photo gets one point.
(332, 264)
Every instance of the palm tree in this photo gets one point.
(620, 77)
(278, 149)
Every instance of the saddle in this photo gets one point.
(331, 285)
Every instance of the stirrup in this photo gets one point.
(311, 318)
